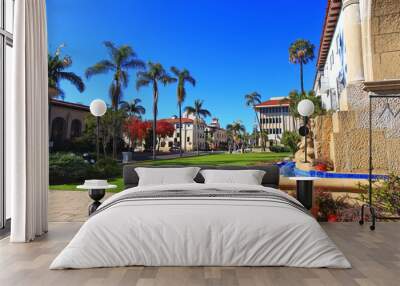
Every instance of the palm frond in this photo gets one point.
(101, 67)
(166, 79)
(175, 71)
(73, 79)
(134, 63)
(124, 77)
(142, 82)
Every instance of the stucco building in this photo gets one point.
(189, 134)
(275, 118)
(67, 121)
(216, 136)
(359, 55)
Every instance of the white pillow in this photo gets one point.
(248, 177)
(166, 176)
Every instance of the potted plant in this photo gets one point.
(334, 209)
(326, 207)
(323, 165)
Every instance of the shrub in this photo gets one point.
(385, 195)
(291, 139)
(67, 168)
(340, 208)
(279, 149)
(105, 169)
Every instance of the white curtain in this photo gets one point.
(27, 123)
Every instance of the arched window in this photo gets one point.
(76, 128)
(58, 129)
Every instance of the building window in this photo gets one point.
(76, 128)
(188, 139)
(58, 127)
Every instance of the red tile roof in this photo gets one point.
(274, 102)
(66, 104)
(333, 10)
(176, 120)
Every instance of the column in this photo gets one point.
(352, 38)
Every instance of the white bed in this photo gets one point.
(201, 231)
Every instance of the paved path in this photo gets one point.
(69, 206)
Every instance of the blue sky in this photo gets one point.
(231, 47)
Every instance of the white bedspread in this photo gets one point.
(200, 231)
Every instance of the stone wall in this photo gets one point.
(322, 137)
(385, 44)
(349, 145)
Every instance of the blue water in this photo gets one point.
(288, 169)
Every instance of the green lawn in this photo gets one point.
(239, 159)
(247, 159)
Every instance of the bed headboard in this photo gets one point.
(271, 177)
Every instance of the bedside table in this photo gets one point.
(96, 190)
(304, 190)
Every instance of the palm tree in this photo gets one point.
(56, 72)
(295, 97)
(183, 77)
(199, 112)
(301, 52)
(252, 99)
(154, 75)
(236, 129)
(133, 108)
(122, 59)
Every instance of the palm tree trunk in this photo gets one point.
(180, 129)
(259, 125)
(301, 77)
(154, 121)
(197, 136)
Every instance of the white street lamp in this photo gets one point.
(305, 108)
(98, 108)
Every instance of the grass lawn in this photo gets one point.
(247, 159)
(236, 159)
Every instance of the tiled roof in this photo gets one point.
(176, 120)
(79, 106)
(331, 18)
(274, 102)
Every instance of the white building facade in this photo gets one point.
(331, 78)
(192, 132)
(275, 118)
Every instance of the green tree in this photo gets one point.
(154, 75)
(252, 99)
(235, 130)
(301, 52)
(290, 139)
(57, 65)
(199, 112)
(121, 60)
(133, 108)
(295, 97)
(110, 122)
(183, 76)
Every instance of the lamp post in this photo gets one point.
(98, 108)
(305, 109)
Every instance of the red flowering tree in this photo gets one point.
(163, 130)
(136, 130)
